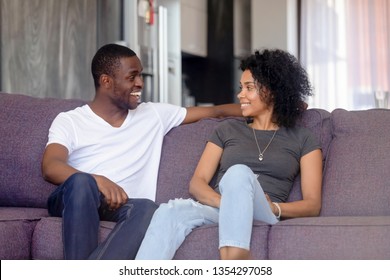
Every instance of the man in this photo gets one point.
(105, 157)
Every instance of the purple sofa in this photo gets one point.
(354, 222)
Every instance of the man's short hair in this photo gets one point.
(107, 60)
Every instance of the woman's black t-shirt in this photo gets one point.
(280, 166)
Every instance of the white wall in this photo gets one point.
(241, 28)
(275, 25)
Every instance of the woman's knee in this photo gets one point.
(238, 170)
(237, 177)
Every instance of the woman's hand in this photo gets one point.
(199, 184)
(273, 206)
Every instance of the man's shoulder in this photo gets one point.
(81, 110)
(145, 105)
(70, 116)
(158, 108)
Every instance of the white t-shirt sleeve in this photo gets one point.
(62, 132)
(170, 115)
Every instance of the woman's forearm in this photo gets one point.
(300, 208)
(203, 193)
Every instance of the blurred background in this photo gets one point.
(191, 49)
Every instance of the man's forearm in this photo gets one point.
(227, 110)
(57, 172)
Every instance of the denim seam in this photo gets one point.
(114, 231)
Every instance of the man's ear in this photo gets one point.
(105, 81)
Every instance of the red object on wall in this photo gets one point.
(151, 12)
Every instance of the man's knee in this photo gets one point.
(81, 187)
(147, 206)
(80, 178)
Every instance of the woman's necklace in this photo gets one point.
(261, 153)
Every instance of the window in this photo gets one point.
(345, 47)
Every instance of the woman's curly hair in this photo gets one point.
(285, 78)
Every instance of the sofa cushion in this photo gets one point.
(47, 238)
(15, 239)
(181, 152)
(331, 238)
(356, 179)
(16, 228)
(22, 213)
(25, 123)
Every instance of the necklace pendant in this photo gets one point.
(261, 153)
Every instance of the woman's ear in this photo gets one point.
(266, 95)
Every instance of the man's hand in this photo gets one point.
(114, 195)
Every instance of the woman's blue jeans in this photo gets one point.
(242, 201)
(81, 206)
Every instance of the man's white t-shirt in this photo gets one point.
(128, 155)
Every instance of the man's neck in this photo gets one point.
(113, 115)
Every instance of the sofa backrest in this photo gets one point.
(181, 152)
(184, 145)
(357, 170)
(24, 126)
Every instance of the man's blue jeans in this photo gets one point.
(81, 205)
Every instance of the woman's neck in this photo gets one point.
(264, 123)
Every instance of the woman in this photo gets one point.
(257, 161)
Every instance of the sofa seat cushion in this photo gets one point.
(16, 228)
(47, 238)
(202, 243)
(331, 238)
(22, 213)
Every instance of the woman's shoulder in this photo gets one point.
(298, 130)
(232, 123)
(302, 134)
(227, 129)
